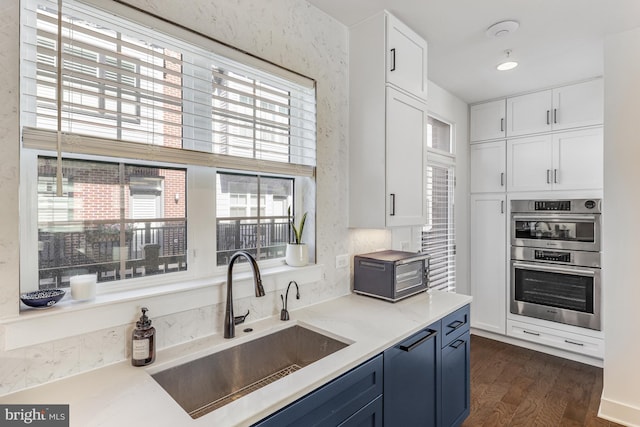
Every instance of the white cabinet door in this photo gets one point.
(578, 160)
(487, 121)
(527, 114)
(489, 262)
(578, 105)
(488, 167)
(406, 138)
(530, 163)
(406, 58)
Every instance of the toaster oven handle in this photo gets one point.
(432, 333)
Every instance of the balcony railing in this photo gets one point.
(149, 248)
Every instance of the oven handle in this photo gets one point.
(553, 269)
(546, 217)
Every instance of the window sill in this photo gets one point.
(70, 318)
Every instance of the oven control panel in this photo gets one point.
(552, 205)
(552, 256)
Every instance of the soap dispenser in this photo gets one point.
(143, 348)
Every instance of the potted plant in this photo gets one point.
(297, 253)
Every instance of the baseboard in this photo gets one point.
(619, 413)
(541, 348)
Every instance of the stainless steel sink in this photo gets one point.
(208, 383)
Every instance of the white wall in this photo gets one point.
(621, 231)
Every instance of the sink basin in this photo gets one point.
(208, 383)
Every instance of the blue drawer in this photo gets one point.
(454, 325)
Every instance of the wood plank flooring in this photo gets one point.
(514, 386)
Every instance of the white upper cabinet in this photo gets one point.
(406, 54)
(566, 107)
(405, 162)
(577, 160)
(561, 161)
(527, 114)
(578, 105)
(487, 121)
(488, 167)
(387, 124)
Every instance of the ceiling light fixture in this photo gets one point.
(508, 63)
(502, 29)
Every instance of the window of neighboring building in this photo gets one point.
(131, 111)
(438, 235)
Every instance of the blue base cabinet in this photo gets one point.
(455, 389)
(411, 378)
(424, 381)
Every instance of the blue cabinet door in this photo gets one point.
(412, 380)
(456, 386)
(335, 402)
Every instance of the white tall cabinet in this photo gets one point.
(388, 124)
(489, 262)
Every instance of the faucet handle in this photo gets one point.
(240, 319)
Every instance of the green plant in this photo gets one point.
(297, 232)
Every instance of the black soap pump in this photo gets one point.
(143, 347)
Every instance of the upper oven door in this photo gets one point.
(557, 231)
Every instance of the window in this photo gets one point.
(102, 231)
(117, 116)
(252, 215)
(438, 235)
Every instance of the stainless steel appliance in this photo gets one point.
(555, 260)
(390, 275)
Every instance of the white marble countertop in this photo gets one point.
(122, 395)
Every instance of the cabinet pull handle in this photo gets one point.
(502, 124)
(393, 59)
(555, 176)
(555, 115)
(410, 347)
(393, 204)
(548, 179)
(456, 343)
(548, 122)
(531, 333)
(501, 179)
(501, 206)
(455, 325)
(574, 343)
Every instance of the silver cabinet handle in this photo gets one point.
(531, 333)
(555, 115)
(501, 206)
(574, 343)
(501, 179)
(502, 124)
(548, 122)
(548, 178)
(555, 176)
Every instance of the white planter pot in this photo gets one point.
(297, 255)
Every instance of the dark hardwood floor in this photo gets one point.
(514, 386)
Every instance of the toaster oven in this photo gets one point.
(390, 275)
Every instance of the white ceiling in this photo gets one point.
(559, 41)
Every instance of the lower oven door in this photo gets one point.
(564, 294)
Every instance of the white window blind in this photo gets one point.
(438, 235)
(131, 91)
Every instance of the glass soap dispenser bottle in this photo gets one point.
(143, 348)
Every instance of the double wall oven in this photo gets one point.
(555, 260)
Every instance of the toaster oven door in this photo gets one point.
(410, 278)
